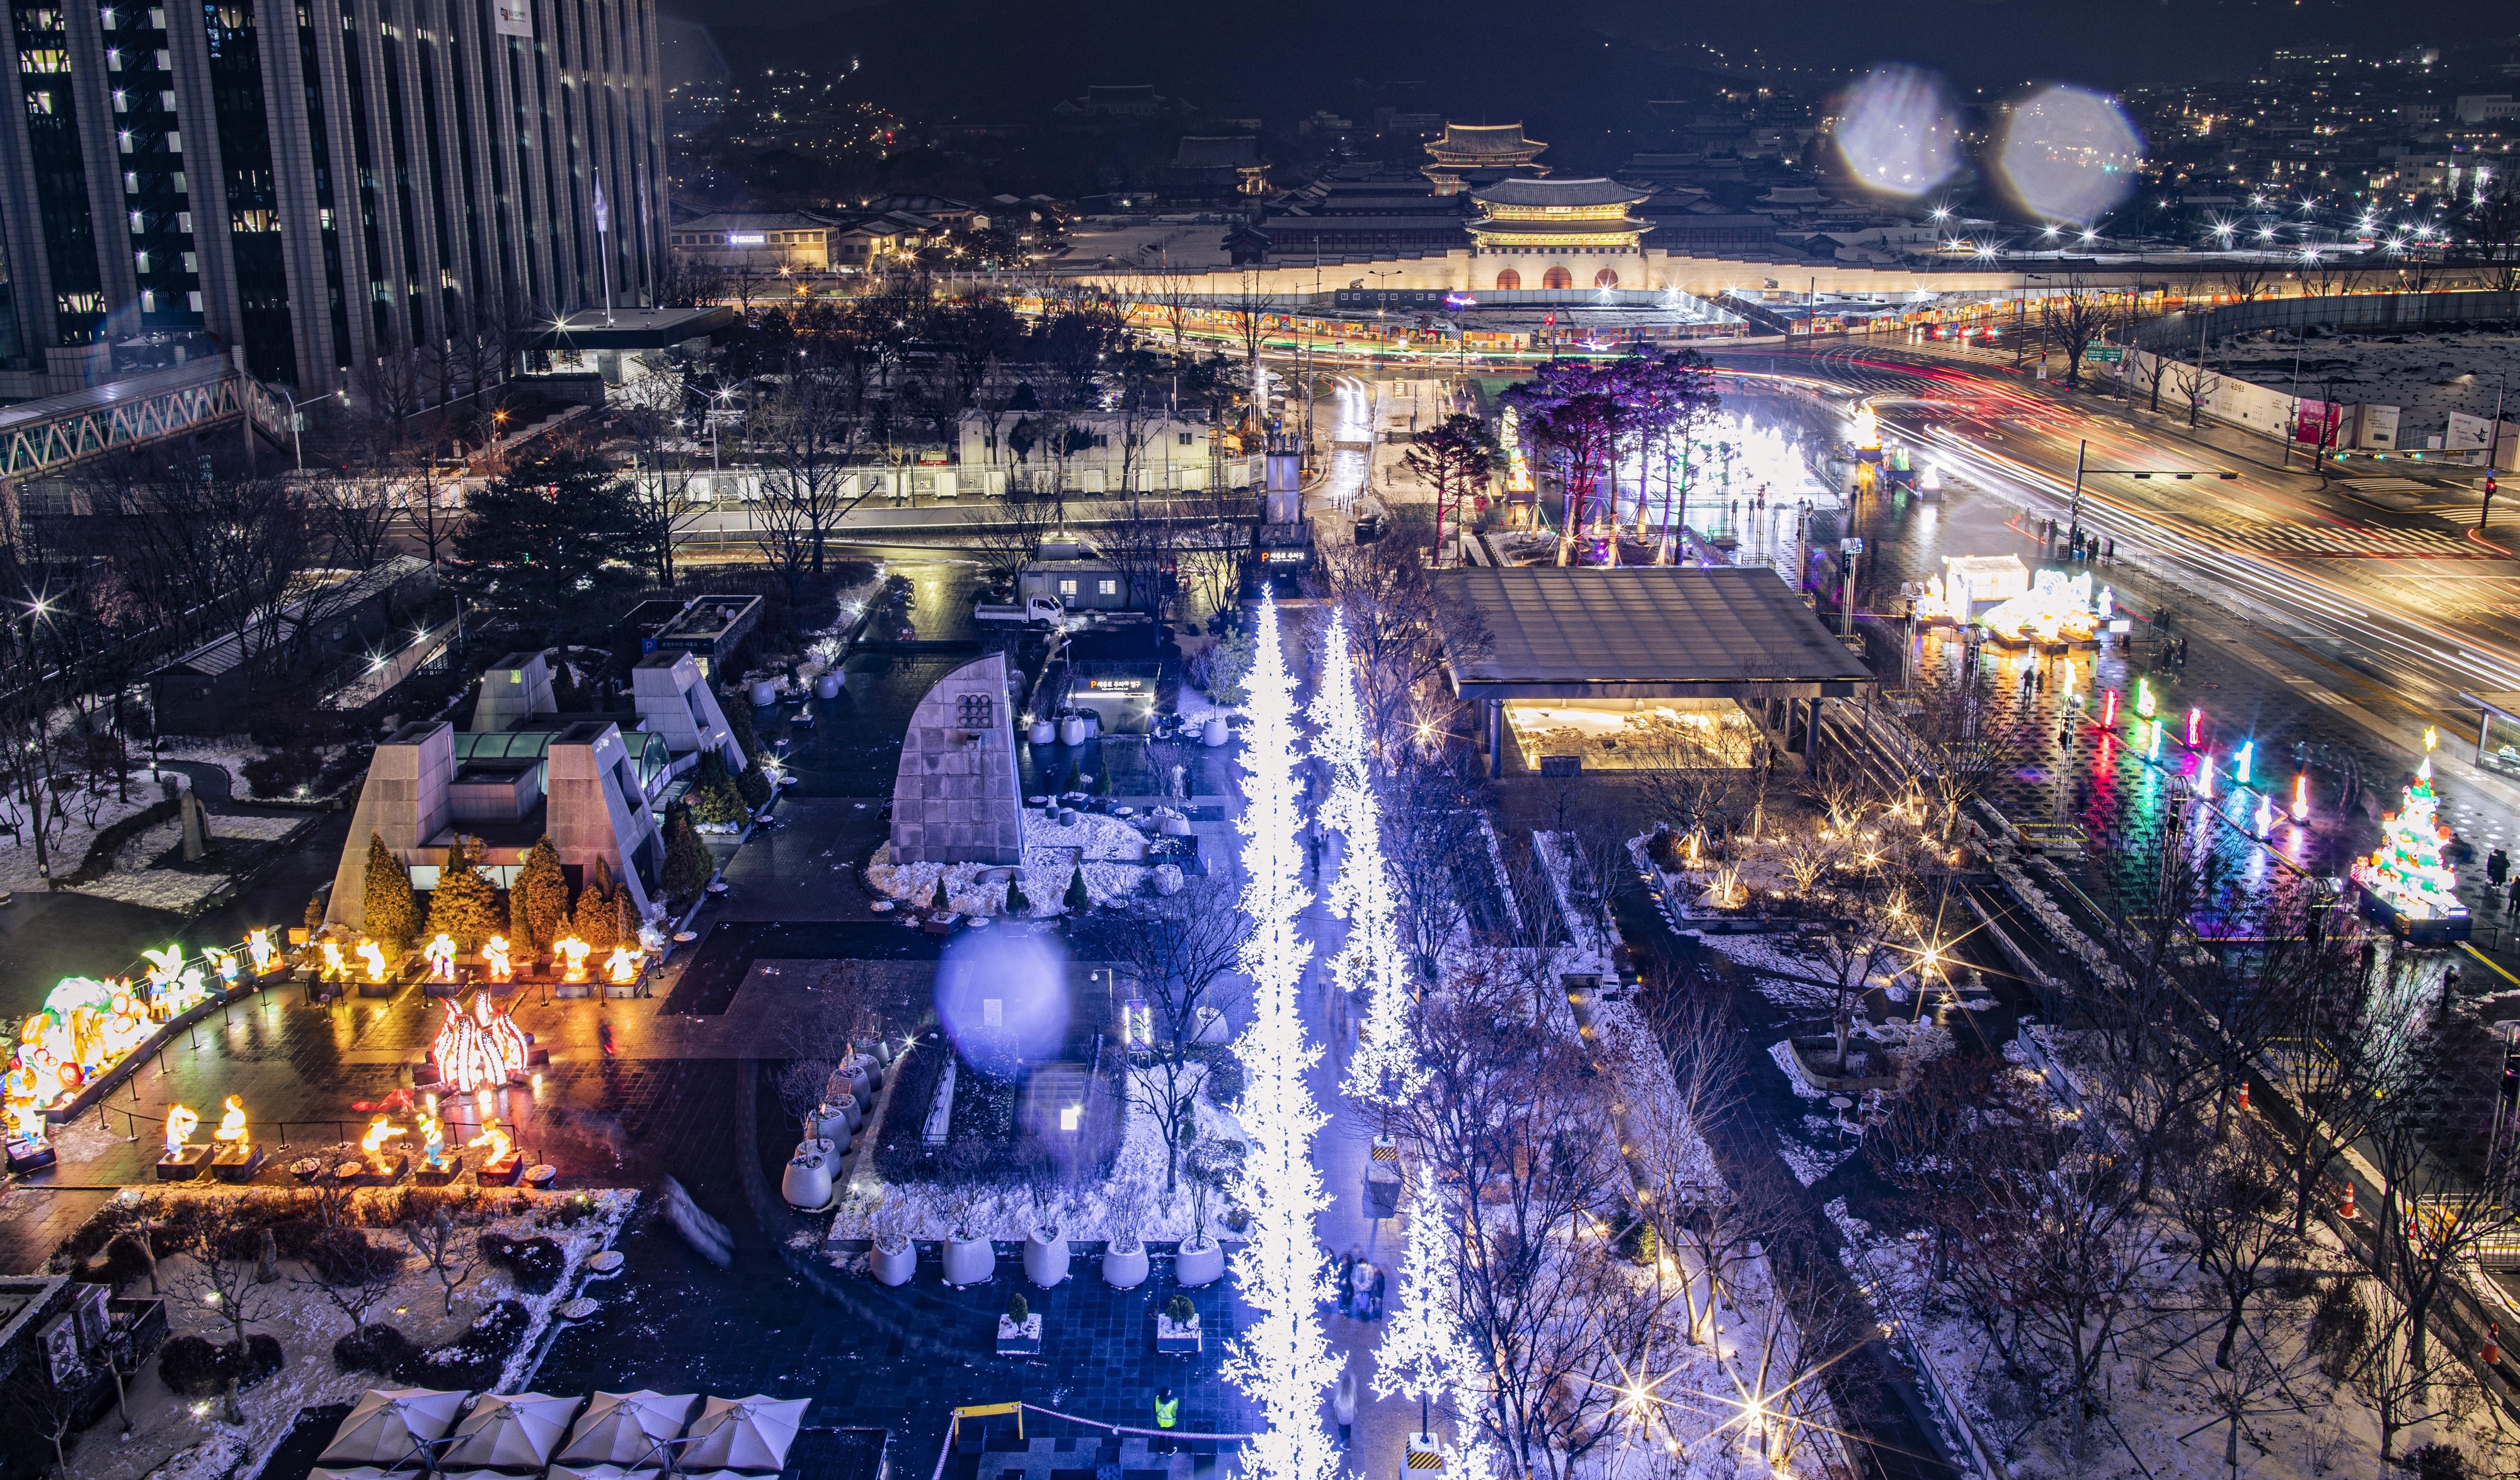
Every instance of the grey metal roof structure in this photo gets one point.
(223, 654)
(1644, 632)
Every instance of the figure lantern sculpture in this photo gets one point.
(26, 1102)
(238, 1158)
(375, 956)
(182, 1160)
(266, 959)
(436, 1167)
(573, 953)
(379, 1131)
(499, 1159)
(624, 965)
(494, 958)
(334, 967)
(440, 955)
(477, 1050)
(225, 964)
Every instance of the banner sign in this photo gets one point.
(513, 18)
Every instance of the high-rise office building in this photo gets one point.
(319, 181)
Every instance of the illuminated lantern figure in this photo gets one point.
(231, 1123)
(2205, 780)
(2406, 873)
(2266, 815)
(573, 953)
(432, 1143)
(2143, 705)
(23, 1092)
(499, 1150)
(225, 965)
(440, 955)
(335, 969)
(379, 1131)
(181, 1123)
(623, 964)
(2240, 763)
(258, 946)
(494, 958)
(478, 1049)
(375, 956)
(163, 968)
(2110, 712)
(2301, 797)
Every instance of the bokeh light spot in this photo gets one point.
(1003, 998)
(1897, 132)
(2069, 154)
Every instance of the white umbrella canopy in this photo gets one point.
(745, 1433)
(622, 1428)
(357, 1472)
(384, 1422)
(510, 1431)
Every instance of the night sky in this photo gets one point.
(1543, 62)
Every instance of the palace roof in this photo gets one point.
(1533, 194)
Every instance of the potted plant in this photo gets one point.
(970, 1257)
(1177, 1328)
(1124, 1256)
(1045, 1255)
(1020, 1329)
(1201, 1260)
(895, 1258)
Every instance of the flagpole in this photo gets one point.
(603, 243)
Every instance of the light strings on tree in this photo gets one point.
(1424, 1353)
(1281, 1360)
(1385, 1069)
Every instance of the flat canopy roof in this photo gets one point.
(632, 328)
(1644, 632)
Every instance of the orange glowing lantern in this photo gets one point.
(232, 1128)
(379, 1131)
(334, 967)
(440, 955)
(375, 956)
(624, 965)
(494, 958)
(573, 953)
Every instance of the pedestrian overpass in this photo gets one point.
(42, 438)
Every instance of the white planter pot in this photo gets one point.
(1071, 731)
(806, 1185)
(827, 685)
(895, 1268)
(837, 1123)
(1124, 1272)
(1197, 1265)
(874, 1068)
(1213, 733)
(765, 692)
(969, 1261)
(1043, 732)
(1045, 1259)
(1174, 827)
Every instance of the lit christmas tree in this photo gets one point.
(1280, 1359)
(1384, 1070)
(2405, 873)
(1424, 1353)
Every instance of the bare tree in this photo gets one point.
(2080, 314)
(1181, 953)
(655, 412)
(2195, 385)
(1403, 633)
(2232, 1199)
(231, 1288)
(448, 1254)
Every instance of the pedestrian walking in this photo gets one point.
(2497, 865)
(2513, 908)
(604, 1036)
(1347, 1281)
(1344, 1407)
(1374, 1295)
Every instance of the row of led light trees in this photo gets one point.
(1282, 1360)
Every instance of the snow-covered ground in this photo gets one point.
(176, 1438)
(1114, 854)
(82, 816)
(134, 882)
(2425, 376)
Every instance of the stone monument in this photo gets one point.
(955, 799)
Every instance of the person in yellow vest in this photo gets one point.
(1167, 1408)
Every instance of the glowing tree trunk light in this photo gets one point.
(2240, 763)
(2193, 717)
(439, 953)
(573, 953)
(2109, 710)
(2153, 750)
(2266, 815)
(1384, 1070)
(2301, 797)
(2205, 780)
(1280, 1359)
(494, 958)
(2143, 704)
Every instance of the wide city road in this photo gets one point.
(2397, 610)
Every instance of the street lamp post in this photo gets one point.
(2493, 456)
(297, 442)
(2082, 452)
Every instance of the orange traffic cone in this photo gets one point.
(2244, 1093)
(2345, 1209)
(2493, 1345)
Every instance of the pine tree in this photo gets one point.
(464, 905)
(314, 916)
(547, 539)
(688, 864)
(712, 797)
(1079, 898)
(1102, 782)
(538, 905)
(625, 918)
(753, 786)
(596, 921)
(1075, 777)
(391, 914)
(1017, 904)
(938, 901)
(738, 709)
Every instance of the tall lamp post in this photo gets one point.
(297, 442)
(2493, 455)
(2083, 451)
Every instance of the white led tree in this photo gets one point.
(1281, 1360)
(1424, 1353)
(1384, 1070)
